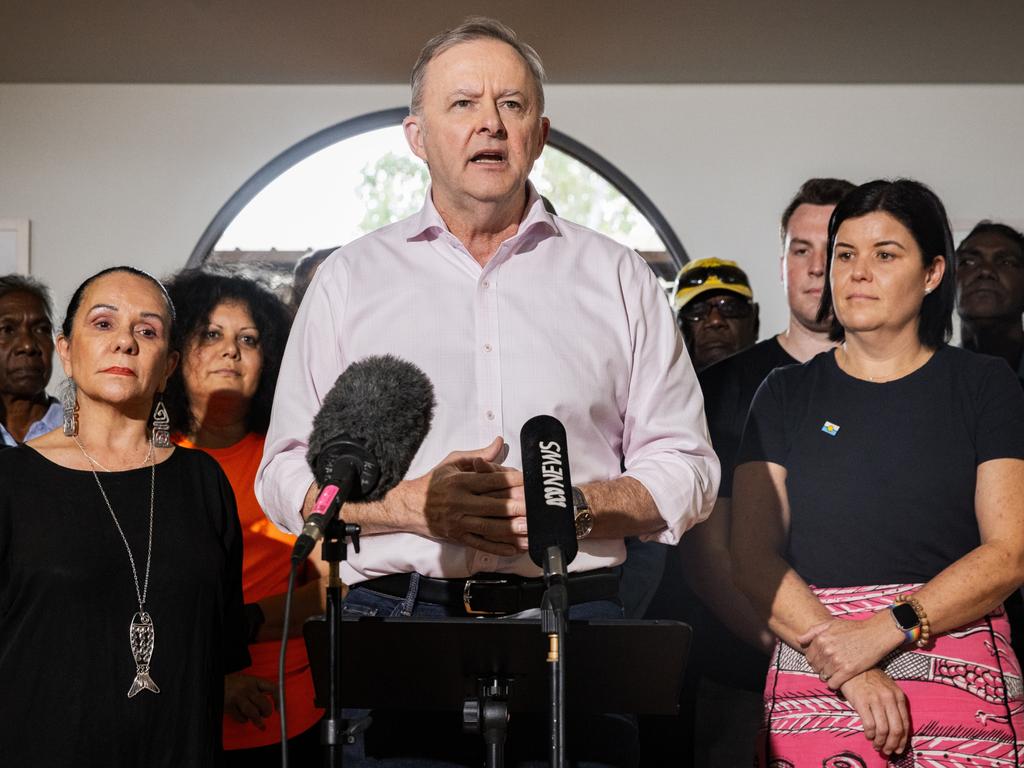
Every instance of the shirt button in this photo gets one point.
(487, 283)
(490, 415)
(487, 347)
(486, 560)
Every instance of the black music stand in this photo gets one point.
(489, 669)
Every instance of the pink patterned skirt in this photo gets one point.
(963, 691)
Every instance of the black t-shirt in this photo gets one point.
(66, 602)
(729, 387)
(881, 476)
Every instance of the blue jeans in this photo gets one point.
(620, 731)
(641, 575)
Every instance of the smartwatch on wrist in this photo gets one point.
(584, 518)
(907, 620)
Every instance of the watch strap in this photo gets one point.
(579, 501)
(583, 517)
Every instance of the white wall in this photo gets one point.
(126, 173)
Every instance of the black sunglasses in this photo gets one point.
(729, 307)
(700, 275)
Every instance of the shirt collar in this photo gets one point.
(536, 223)
(52, 419)
(54, 415)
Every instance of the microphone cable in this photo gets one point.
(280, 663)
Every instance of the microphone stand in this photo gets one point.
(333, 729)
(553, 609)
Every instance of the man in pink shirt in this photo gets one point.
(512, 312)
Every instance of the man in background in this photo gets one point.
(990, 292)
(990, 300)
(715, 309)
(303, 273)
(26, 361)
(729, 658)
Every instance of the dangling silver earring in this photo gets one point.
(69, 400)
(161, 426)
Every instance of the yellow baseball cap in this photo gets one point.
(703, 275)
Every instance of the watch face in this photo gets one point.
(905, 616)
(584, 523)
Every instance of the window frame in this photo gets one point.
(386, 118)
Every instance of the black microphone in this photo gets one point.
(370, 425)
(547, 488)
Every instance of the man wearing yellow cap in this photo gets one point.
(715, 310)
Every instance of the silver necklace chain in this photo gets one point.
(149, 455)
(140, 592)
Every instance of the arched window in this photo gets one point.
(358, 175)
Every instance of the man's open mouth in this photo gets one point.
(488, 157)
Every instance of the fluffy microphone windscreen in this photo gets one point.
(383, 403)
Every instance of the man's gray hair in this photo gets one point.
(475, 28)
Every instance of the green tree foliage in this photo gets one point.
(582, 195)
(392, 188)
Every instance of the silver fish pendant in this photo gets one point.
(143, 637)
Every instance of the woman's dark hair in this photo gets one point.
(76, 297)
(21, 284)
(198, 293)
(918, 209)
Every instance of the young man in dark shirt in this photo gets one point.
(731, 642)
(990, 292)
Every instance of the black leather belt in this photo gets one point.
(492, 594)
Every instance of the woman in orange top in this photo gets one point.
(232, 336)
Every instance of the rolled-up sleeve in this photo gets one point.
(665, 435)
(311, 364)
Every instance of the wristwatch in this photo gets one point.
(906, 619)
(583, 516)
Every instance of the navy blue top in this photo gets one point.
(881, 476)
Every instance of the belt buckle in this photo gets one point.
(467, 598)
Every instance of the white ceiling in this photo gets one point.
(590, 41)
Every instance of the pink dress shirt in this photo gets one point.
(561, 320)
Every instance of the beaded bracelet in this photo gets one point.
(921, 634)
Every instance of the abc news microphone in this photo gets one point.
(551, 534)
(368, 429)
(547, 489)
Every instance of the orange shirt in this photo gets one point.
(266, 562)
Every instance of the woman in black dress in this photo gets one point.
(120, 558)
